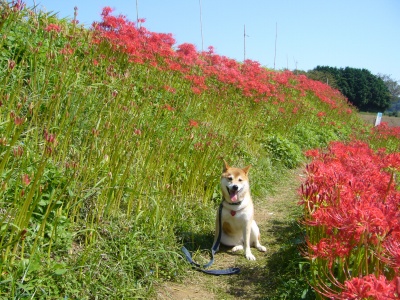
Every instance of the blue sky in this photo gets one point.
(336, 33)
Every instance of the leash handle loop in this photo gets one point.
(229, 271)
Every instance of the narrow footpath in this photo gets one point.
(277, 217)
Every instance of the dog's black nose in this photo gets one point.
(234, 187)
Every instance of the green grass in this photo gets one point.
(101, 183)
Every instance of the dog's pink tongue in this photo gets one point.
(234, 197)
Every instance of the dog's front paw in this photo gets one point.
(262, 248)
(237, 248)
(250, 256)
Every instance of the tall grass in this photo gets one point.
(111, 152)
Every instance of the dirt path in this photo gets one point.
(276, 217)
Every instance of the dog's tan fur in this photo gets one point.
(239, 229)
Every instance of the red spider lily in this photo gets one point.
(18, 151)
(67, 50)
(330, 249)
(193, 123)
(392, 161)
(187, 53)
(49, 137)
(369, 287)
(312, 153)
(169, 107)
(384, 131)
(53, 27)
(18, 5)
(352, 209)
(25, 179)
(19, 121)
(157, 49)
(169, 89)
(196, 90)
(391, 251)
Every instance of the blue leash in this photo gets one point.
(229, 271)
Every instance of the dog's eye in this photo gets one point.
(240, 179)
(230, 178)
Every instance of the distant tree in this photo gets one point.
(298, 72)
(366, 91)
(393, 87)
(394, 108)
(324, 77)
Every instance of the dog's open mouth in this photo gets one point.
(234, 195)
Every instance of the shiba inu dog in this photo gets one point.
(239, 229)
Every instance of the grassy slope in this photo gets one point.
(108, 166)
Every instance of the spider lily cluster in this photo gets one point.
(352, 217)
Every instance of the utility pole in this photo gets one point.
(276, 38)
(201, 29)
(137, 14)
(244, 43)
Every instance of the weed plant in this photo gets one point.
(111, 140)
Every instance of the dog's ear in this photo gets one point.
(226, 166)
(246, 169)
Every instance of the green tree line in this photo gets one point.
(364, 90)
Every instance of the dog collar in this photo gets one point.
(234, 203)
